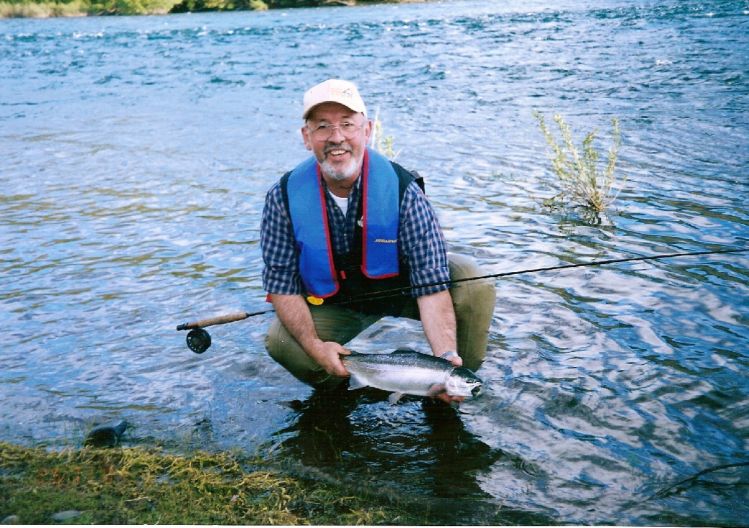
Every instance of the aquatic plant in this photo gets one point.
(379, 141)
(582, 183)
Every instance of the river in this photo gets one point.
(136, 153)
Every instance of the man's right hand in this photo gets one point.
(328, 355)
(294, 314)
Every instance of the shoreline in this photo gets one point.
(82, 8)
(149, 485)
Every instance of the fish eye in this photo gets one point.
(476, 390)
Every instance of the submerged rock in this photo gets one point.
(107, 435)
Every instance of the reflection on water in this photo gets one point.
(417, 454)
(136, 152)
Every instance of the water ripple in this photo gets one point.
(136, 154)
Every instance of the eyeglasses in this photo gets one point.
(325, 131)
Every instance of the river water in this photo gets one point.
(135, 157)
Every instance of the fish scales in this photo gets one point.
(399, 372)
(408, 372)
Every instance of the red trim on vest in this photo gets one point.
(364, 209)
(326, 230)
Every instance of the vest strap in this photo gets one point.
(309, 217)
(380, 205)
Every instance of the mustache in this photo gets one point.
(336, 146)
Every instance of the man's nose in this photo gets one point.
(336, 135)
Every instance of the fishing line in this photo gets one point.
(382, 294)
(695, 478)
(198, 340)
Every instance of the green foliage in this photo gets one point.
(379, 141)
(48, 8)
(219, 5)
(32, 8)
(581, 180)
(39, 9)
(131, 7)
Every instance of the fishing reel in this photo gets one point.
(198, 340)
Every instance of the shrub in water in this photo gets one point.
(581, 181)
(379, 142)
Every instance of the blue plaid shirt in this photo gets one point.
(420, 241)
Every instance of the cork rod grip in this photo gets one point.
(218, 320)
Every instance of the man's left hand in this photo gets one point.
(441, 392)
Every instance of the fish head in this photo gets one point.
(463, 382)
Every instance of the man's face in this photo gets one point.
(337, 137)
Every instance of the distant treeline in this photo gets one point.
(47, 8)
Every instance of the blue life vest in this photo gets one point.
(380, 205)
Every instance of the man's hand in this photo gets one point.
(294, 314)
(440, 393)
(328, 355)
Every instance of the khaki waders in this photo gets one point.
(473, 302)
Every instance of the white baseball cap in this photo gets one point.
(334, 91)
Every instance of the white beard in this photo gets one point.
(349, 171)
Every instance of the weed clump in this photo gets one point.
(379, 141)
(581, 180)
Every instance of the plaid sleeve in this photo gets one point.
(423, 243)
(281, 271)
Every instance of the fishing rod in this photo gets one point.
(198, 340)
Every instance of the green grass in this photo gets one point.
(582, 181)
(148, 486)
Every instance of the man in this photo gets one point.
(346, 224)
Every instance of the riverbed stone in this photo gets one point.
(65, 515)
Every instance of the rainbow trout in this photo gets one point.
(409, 372)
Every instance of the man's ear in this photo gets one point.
(306, 138)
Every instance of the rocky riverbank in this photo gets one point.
(43, 9)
